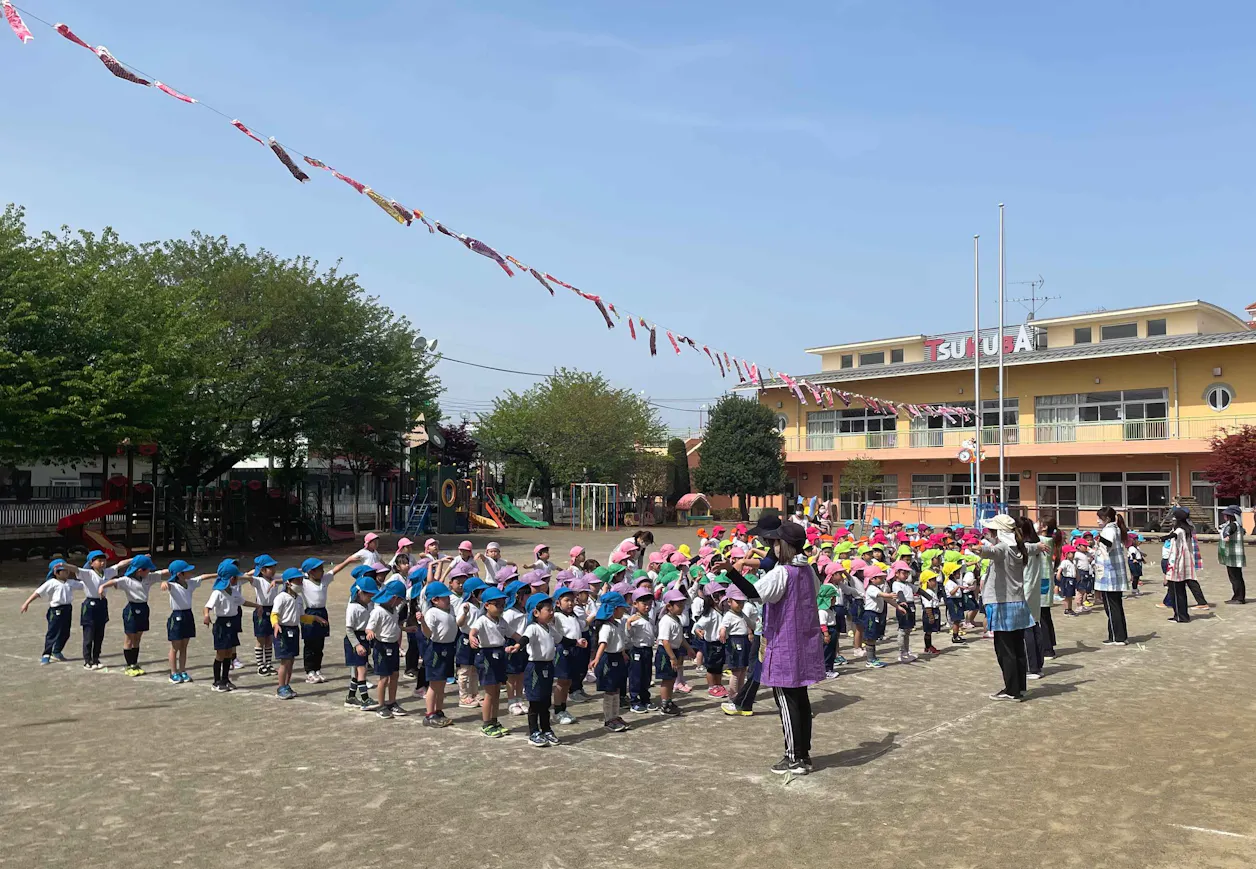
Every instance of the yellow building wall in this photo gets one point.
(1185, 322)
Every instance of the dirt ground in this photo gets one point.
(1122, 757)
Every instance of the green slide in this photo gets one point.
(514, 515)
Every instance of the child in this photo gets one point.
(968, 584)
(1066, 576)
(610, 663)
(539, 638)
(314, 597)
(736, 628)
(853, 592)
(264, 590)
(587, 589)
(488, 638)
(825, 597)
(441, 630)
(930, 608)
(906, 596)
(357, 646)
(707, 629)
(1084, 562)
(383, 629)
(225, 608)
(874, 613)
(673, 648)
(540, 556)
(492, 559)
(466, 611)
(286, 617)
(58, 589)
(1136, 560)
(367, 556)
(135, 583)
(517, 594)
(576, 561)
(181, 623)
(94, 613)
(572, 648)
(641, 651)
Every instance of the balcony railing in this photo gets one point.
(951, 440)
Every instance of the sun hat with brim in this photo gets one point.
(493, 594)
(393, 588)
(471, 586)
(899, 565)
(512, 591)
(462, 568)
(732, 592)
(366, 585)
(180, 566)
(506, 573)
(312, 564)
(433, 590)
(1002, 522)
(293, 574)
(926, 575)
(138, 563)
(789, 532)
(600, 575)
(609, 603)
(418, 574)
(535, 601)
(643, 594)
(950, 567)
(613, 570)
(674, 596)
(872, 571)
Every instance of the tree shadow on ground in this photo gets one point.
(866, 752)
(50, 722)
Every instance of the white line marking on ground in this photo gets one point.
(1214, 832)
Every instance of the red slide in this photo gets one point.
(491, 509)
(94, 538)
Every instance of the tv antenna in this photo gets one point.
(1034, 302)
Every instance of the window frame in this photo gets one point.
(864, 358)
(1078, 331)
(1163, 324)
(1104, 336)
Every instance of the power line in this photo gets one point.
(494, 368)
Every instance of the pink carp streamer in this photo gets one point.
(64, 30)
(16, 24)
(167, 89)
(246, 131)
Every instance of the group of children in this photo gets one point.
(474, 621)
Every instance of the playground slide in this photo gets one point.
(515, 515)
(494, 515)
(91, 513)
(484, 521)
(96, 540)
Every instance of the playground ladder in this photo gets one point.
(416, 519)
(192, 537)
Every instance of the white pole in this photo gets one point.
(1002, 468)
(977, 376)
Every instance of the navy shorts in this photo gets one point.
(970, 602)
(1136, 569)
(438, 661)
(907, 620)
(1068, 586)
(352, 658)
(566, 660)
(738, 652)
(1086, 581)
(94, 611)
(713, 656)
(839, 613)
(856, 611)
(387, 657)
(135, 618)
(517, 662)
(663, 668)
(316, 629)
(538, 681)
(611, 672)
(698, 645)
(288, 643)
(464, 655)
(873, 625)
(931, 620)
(226, 632)
(261, 622)
(490, 665)
(955, 610)
(180, 625)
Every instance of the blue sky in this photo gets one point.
(767, 176)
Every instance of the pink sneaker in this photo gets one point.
(684, 687)
(717, 691)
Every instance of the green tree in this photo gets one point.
(858, 477)
(678, 485)
(741, 452)
(573, 426)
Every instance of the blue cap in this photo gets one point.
(311, 563)
(472, 585)
(391, 589)
(95, 553)
(492, 594)
(512, 591)
(180, 566)
(560, 591)
(358, 572)
(365, 584)
(293, 574)
(138, 563)
(53, 565)
(535, 601)
(228, 564)
(438, 589)
(418, 573)
(415, 592)
(264, 560)
(610, 602)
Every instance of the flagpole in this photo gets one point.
(977, 377)
(1002, 467)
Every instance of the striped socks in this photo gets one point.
(257, 660)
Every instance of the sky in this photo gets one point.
(763, 177)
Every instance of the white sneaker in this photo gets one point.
(318, 676)
(311, 679)
(905, 659)
(1033, 675)
(517, 708)
(236, 664)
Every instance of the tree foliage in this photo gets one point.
(741, 452)
(678, 484)
(573, 426)
(1232, 462)
(214, 352)
(460, 450)
(858, 477)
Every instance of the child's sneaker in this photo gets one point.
(236, 664)
(492, 731)
(185, 676)
(874, 664)
(45, 659)
(352, 702)
(384, 712)
(670, 708)
(859, 654)
(176, 679)
(565, 717)
(517, 708)
(932, 650)
(319, 677)
(717, 691)
(684, 687)
(310, 679)
(839, 661)
(217, 688)
(369, 705)
(988, 635)
(57, 656)
(469, 702)
(228, 685)
(616, 725)
(551, 738)
(436, 720)
(732, 709)
(537, 740)
(286, 693)
(906, 659)
(831, 674)
(398, 710)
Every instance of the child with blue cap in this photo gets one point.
(488, 638)
(383, 628)
(539, 639)
(515, 617)
(94, 612)
(262, 577)
(135, 584)
(440, 629)
(466, 609)
(314, 596)
(224, 606)
(357, 646)
(286, 618)
(58, 589)
(610, 663)
(181, 623)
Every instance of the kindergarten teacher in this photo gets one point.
(793, 653)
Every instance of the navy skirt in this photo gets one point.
(931, 620)
(873, 625)
(180, 625)
(738, 652)
(352, 658)
(315, 630)
(226, 632)
(387, 658)
(663, 668)
(94, 611)
(464, 655)
(538, 681)
(261, 622)
(611, 672)
(490, 665)
(517, 662)
(135, 618)
(713, 656)
(288, 643)
(566, 661)
(438, 661)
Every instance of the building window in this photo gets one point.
(848, 360)
(1082, 335)
(885, 489)
(990, 420)
(1121, 330)
(826, 488)
(877, 358)
(990, 487)
(1219, 396)
(1157, 327)
(821, 426)
(896, 355)
(1143, 411)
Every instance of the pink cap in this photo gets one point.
(858, 564)
(466, 544)
(368, 538)
(711, 589)
(431, 541)
(629, 546)
(655, 558)
(576, 551)
(832, 567)
(666, 549)
(404, 542)
(538, 549)
(674, 596)
(899, 565)
(678, 559)
(705, 551)
(872, 571)
(902, 537)
(734, 593)
(539, 579)
(718, 529)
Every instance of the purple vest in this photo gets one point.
(793, 653)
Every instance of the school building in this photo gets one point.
(1105, 408)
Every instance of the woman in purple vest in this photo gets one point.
(793, 653)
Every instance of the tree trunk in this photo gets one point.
(547, 498)
(357, 497)
(742, 508)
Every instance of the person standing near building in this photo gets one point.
(1182, 563)
(1115, 581)
(1230, 552)
(1003, 594)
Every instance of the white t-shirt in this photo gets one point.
(289, 609)
(465, 612)
(384, 624)
(904, 588)
(222, 604)
(670, 630)
(572, 626)
(737, 624)
(614, 636)
(640, 632)
(1082, 560)
(951, 588)
(873, 600)
(367, 557)
(315, 593)
(136, 590)
(929, 599)
(92, 581)
(181, 597)
(1068, 568)
(356, 616)
(442, 624)
(513, 621)
(58, 593)
(264, 590)
(489, 631)
(542, 640)
(709, 624)
(1135, 554)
